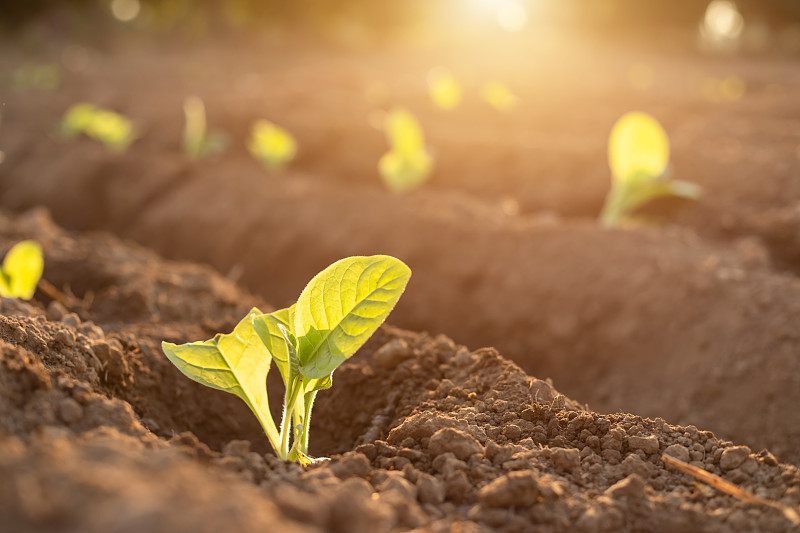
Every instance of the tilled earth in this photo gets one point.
(695, 321)
(98, 432)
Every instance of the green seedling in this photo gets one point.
(272, 145)
(115, 131)
(444, 89)
(638, 154)
(45, 77)
(339, 309)
(197, 142)
(498, 96)
(21, 271)
(2, 153)
(407, 164)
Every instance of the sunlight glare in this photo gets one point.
(125, 10)
(512, 16)
(723, 21)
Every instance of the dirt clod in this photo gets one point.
(513, 489)
(733, 457)
(457, 442)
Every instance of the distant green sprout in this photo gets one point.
(21, 271)
(638, 154)
(444, 89)
(197, 142)
(407, 164)
(498, 96)
(339, 309)
(45, 77)
(272, 145)
(2, 153)
(115, 131)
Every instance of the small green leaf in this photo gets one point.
(342, 306)
(21, 271)
(408, 163)
(498, 96)
(637, 145)
(638, 154)
(197, 141)
(194, 130)
(77, 119)
(445, 91)
(237, 363)
(267, 327)
(271, 144)
(115, 131)
(404, 133)
(404, 173)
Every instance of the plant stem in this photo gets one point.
(293, 388)
(303, 444)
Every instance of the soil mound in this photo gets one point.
(99, 432)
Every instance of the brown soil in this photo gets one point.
(99, 432)
(694, 322)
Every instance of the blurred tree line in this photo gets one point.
(381, 16)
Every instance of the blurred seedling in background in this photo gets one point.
(444, 89)
(272, 145)
(339, 309)
(730, 89)
(21, 271)
(498, 96)
(197, 142)
(638, 154)
(46, 77)
(115, 131)
(641, 76)
(407, 164)
(2, 153)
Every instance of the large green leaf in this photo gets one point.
(637, 145)
(236, 363)
(342, 306)
(21, 271)
(267, 327)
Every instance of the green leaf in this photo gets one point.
(21, 271)
(637, 145)
(404, 173)
(77, 119)
(271, 144)
(404, 133)
(194, 129)
(407, 164)
(342, 306)
(498, 96)
(638, 154)
(444, 89)
(267, 327)
(237, 363)
(115, 131)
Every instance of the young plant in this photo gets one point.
(30, 77)
(638, 154)
(407, 164)
(272, 145)
(21, 271)
(115, 131)
(444, 89)
(498, 96)
(339, 309)
(197, 142)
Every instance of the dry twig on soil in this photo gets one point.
(729, 488)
